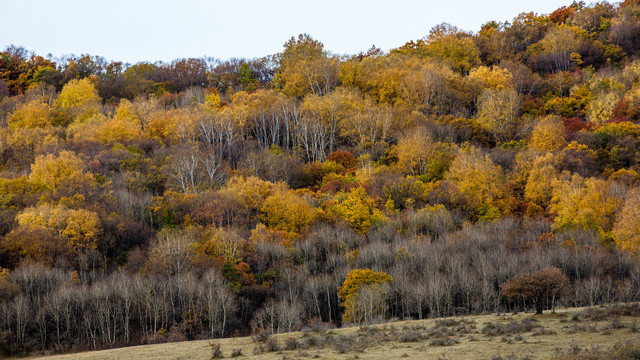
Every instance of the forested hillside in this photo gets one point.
(459, 173)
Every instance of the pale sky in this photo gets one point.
(137, 30)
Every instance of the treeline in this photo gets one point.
(292, 287)
(199, 198)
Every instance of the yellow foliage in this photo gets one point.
(539, 186)
(225, 243)
(358, 209)
(30, 115)
(624, 128)
(88, 129)
(24, 140)
(213, 100)
(285, 211)
(588, 203)
(82, 228)
(251, 191)
(499, 112)
(79, 99)
(548, 135)
(480, 180)
(453, 46)
(124, 126)
(162, 125)
(355, 282)
(602, 105)
(492, 77)
(626, 232)
(415, 151)
(51, 171)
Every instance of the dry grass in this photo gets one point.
(509, 336)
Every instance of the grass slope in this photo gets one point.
(509, 336)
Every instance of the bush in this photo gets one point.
(216, 353)
(236, 353)
(443, 342)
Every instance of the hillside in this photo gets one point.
(460, 173)
(573, 331)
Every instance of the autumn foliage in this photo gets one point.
(539, 288)
(459, 173)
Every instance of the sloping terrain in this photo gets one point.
(508, 336)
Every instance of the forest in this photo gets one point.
(460, 173)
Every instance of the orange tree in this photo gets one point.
(537, 287)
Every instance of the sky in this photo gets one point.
(145, 30)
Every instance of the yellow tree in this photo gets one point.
(548, 135)
(606, 94)
(66, 169)
(163, 125)
(415, 150)
(356, 283)
(251, 191)
(82, 228)
(626, 231)
(542, 177)
(79, 99)
(449, 44)
(124, 126)
(588, 203)
(499, 113)
(362, 120)
(380, 77)
(224, 243)
(358, 209)
(491, 77)
(306, 68)
(88, 129)
(482, 182)
(285, 211)
(30, 115)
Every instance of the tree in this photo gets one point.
(172, 252)
(415, 151)
(482, 182)
(304, 67)
(559, 50)
(362, 295)
(317, 127)
(449, 44)
(82, 228)
(285, 211)
(539, 288)
(541, 179)
(548, 135)
(65, 170)
(344, 158)
(218, 301)
(588, 203)
(79, 99)
(357, 209)
(30, 115)
(499, 113)
(492, 77)
(626, 231)
(224, 243)
(124, 126)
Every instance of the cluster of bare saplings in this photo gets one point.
(436, 270)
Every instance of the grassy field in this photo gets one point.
(508, 336)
